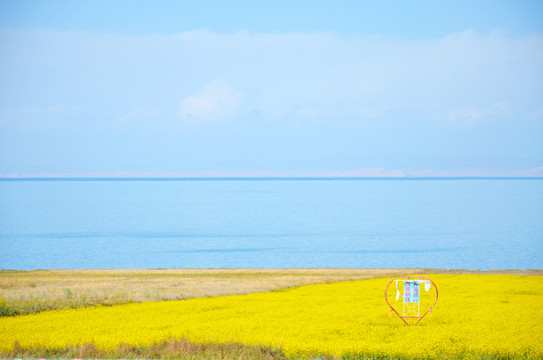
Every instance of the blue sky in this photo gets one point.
(280, 87)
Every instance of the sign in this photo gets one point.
(411, 291)
(408, 289)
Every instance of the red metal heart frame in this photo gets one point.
(416, 317)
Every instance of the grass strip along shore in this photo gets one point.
(477, 316)
(24, 292)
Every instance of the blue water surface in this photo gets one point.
(440, 223)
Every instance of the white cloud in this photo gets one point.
(470, 115)
(38, 116)
(216, 101)
(138, 115)
(467, 115)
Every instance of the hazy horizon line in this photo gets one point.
(365, 173)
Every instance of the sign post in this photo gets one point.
(411, 297)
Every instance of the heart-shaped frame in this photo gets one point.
(411, 279)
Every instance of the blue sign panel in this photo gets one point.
(411, 292)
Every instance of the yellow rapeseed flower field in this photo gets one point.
(476, 316)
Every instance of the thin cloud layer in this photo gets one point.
(333, 102)
(285, 75)
(215, 102)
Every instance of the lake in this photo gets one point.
(273, 223)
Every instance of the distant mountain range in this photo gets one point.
(360, 173)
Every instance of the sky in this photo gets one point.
(267, 88)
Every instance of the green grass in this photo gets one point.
(184, 349)
(24, 292)
(167, 349)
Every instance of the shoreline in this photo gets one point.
(32, 291)
(280, 270)
(261, 178)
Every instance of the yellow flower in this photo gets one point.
(476, 315)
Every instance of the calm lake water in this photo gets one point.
(445, 223)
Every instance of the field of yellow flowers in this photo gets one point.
(476, 316)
